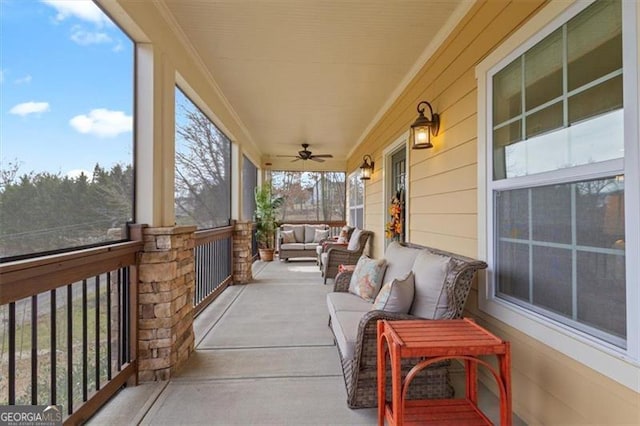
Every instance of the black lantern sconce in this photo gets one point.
(366, 169)
(422, 129)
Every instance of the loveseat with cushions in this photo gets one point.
(300, 240)
(417, 283)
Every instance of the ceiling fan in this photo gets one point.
(305, 154)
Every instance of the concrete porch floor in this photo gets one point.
(264, 356)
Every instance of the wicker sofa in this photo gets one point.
(353, 321)
(304, 241)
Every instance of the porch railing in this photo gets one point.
(214, 268)
(68, 325)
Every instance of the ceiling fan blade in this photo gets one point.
(322, 156)
(295, 159)
(315, 158)
(289, 156)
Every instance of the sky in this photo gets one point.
(66, 87)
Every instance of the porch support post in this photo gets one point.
(242, 256)
(165, 301)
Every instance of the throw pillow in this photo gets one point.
(367, 278)
(343, 238)
(431, 300)
(320, 235)
(353, 241)
(288, 237)
(395, 296)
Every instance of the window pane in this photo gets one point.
(600, 213)
(512, 270)
(597, 100)
(66, 128)
(549, 118)
(543, 71)
(594, 43)
(551, 213)
(310, 196)
(551, 269)
(507, 89)
(512, 213)
(602, 292)
(203, 168)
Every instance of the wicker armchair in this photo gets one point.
(360, 372)
(337, 255)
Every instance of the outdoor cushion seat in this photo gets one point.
(342, 301)
(345, 330)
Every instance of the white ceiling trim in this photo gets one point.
(184, 40)
(440, 37)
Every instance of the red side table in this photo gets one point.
(438, 340)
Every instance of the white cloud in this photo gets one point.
(102, 123)
(85, 38)
(85, 10)
(23, 80)
(27, 108)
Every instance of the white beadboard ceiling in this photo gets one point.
(319, 71)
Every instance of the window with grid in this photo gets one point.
(356, 200)
(557, 183)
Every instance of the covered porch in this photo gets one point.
(264, 354)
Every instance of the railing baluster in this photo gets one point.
(119, 320)
(109, 326)
(34, 349)
(70, 348)
(97, 283)
(85, 338)
(54, 352)
(12, 353)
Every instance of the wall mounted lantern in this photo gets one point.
(366, 168)
(422, 129)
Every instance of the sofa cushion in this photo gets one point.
(292, 246)
(343, 301)
(353, 241)
(288, 237)
(320, 234)
(298, 231)
(311, 247)
(395, 296)
(430, 300)
(366, 279)
(345, 329)
(399, 261)
(310, 232)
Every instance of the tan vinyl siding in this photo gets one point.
(549, 387)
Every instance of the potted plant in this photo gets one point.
(265, 218)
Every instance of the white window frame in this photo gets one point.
(355, 175)
(621, 365)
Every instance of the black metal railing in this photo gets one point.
(254, 243)
(67, 328)
(213, 265)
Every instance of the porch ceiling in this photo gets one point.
(312, 71)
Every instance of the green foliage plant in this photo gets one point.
(265, 215)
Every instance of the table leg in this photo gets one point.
(471, 369)
(397, 403)
(505, 375)
(382, 377)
